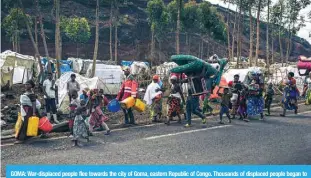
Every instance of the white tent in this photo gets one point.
(23, 66)
(137, 67)
(280, 74)
(91, 83)
(229, 74)
(164, 69)
(109, 73)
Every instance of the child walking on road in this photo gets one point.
(75, 102)
(80, 129)
(269, 98)
(225, 101)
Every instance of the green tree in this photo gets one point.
(157, 17)
(294, 20)
(212, 22)
(277, 13)
(78, 30)
(191, 20)
(96, 39)
(175, 15)
(14, 24)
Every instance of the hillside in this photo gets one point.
(134, 34)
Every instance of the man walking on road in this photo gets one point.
(128, 89)
(49, 96)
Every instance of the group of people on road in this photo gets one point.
(87, 111)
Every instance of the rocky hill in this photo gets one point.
(134, 34)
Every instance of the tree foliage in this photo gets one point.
(212, 21)
(77, 29)
(14, 22)
(157, 17)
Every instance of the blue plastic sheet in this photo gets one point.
(65, 66)
(129, 63)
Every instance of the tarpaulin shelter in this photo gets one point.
(109, 73)
(91, 83)
(17, 68)
(164, 69)
(135, 66)
(280, 75)
(129, 63)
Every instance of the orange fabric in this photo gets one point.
(223, 83)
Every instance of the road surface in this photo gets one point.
(276, 140)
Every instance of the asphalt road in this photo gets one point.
(276, 140)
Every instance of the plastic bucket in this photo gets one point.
(128, 103)
(114, 106)
(45, 125)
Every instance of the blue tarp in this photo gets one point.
(129, 63)
(65, 65)
(45, 64)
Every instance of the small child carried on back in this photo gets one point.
(269, 98)
(225, 102)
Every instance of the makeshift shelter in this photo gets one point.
(109, 73)
(81, 66)
(164, 69)
(136, 66)
(96, 82)
(17, 68)
(229, 74)
(280, 75)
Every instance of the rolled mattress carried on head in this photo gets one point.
(304, 65)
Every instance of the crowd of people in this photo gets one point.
(87, 111)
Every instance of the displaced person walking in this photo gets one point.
(236, 88)
(128, 89)
(72, 86)
(49, 96)
(29, 107)
(290, 95)
(269, 98)
(174, 101)
(80, 129)
(307, 89)
(97, 102)
(75, 103)
(255, 101)
(224, 105)
(153, 98)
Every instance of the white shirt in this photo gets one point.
(47, 84)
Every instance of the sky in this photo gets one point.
(303, 33)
